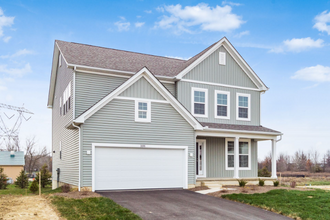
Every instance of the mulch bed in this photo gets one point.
(78, 195)
(251, 189)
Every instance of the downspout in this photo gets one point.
(279, 139)
(78, 154)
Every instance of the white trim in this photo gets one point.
(216, 92)
(204, 160)
(148, 111)
(144, 72)
(226, 153)
(241, 67)
(79, 155)
(249, 106)
(185, 148)
(220, 43)
(233, 134)
(59, 60)
(219, 84)
(206, 104)
(142, 99)
(74, 96)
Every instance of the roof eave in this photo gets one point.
(242, 131)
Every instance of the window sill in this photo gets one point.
(247, 168)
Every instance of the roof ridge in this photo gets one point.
(123, 50)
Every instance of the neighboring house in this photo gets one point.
(125, 120)
(12, 162)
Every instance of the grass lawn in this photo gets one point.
(91, 208)
(293, 203)
(12, 190)
(315, 183)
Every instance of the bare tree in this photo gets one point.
(33, 155)
(283, 162)
(327, 158)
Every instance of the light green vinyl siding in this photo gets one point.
(216, 163)
(142, 89)
(115, 124)
(209, 70)
(170, 87)
(69, 164)
(184, 96)
(91, 88)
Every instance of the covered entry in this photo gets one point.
(117, 166)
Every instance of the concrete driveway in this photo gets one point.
(184, 204)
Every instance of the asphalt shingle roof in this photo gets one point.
(107, 58)
(6, 159)
(239, 127)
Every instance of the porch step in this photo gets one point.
(211, 184)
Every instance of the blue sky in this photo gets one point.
(285, 42)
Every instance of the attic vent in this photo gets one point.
(12, 154)
(60, 60)
(222, 58)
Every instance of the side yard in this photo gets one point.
(16, 203)
(309, 204)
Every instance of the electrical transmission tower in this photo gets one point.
(10, 123)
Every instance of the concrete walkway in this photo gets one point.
(184, 204)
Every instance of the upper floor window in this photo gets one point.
(142, 111)
(243, 111)
(222, 104)
(199, 102)
(244, 152)
(66, 99)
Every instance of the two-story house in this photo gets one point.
(126, 120)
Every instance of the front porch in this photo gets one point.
(223, 157)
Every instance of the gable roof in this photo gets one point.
(83, 56)
(144, 72)
(7, 160)
(252, 128)
(113, 59)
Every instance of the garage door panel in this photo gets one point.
(134, 168)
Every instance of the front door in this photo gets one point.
(200, 158)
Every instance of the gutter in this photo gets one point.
(241, 131)
(79, 153)
(280, 138)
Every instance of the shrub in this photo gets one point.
(22, 181)
(261, 182)
(293, 184)
(45, 176)
(66, 188)
(34, 186)
(264, 172)
(276, 183)
(3, 180)
(242, 183)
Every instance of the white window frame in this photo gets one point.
(249, 106)
(216, 92)
(222, 54)
(137, 119)
(193, 89)
(226, 159)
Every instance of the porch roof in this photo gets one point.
(251, 128)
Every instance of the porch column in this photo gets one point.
(236, 157)
(274, 159)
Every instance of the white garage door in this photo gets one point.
(138, 168)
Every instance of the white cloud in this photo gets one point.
(180, 58)
(6, 39)
(18, 53)
(298, 45)
(148, 11)
(239, 35)
(316, 73)
(139, 24)
(322, 22)
(122, 25)
(207, 18)
(231, 3)
(17, 72)
(160, 9)
(5, 22)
